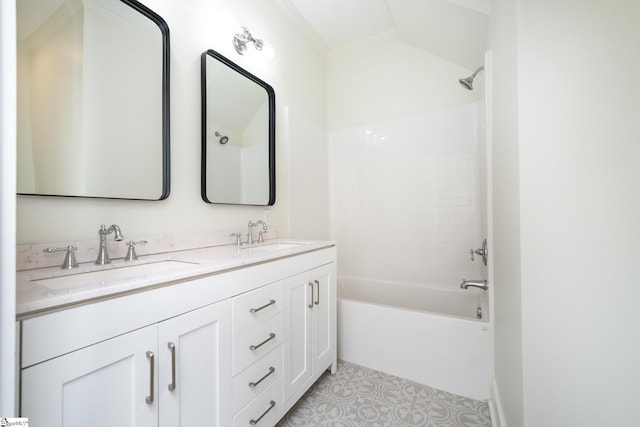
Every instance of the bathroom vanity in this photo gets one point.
(217, 336)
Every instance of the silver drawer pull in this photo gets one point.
(317, 301)
(311, 303)
(255, 347)
(172, 348)
(255, 310)
(149, 399)
(272, 405)
(271, 371)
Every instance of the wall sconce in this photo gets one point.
(240, 41)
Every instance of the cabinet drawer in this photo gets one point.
(257, 342)
(248, 384)
(267, 408)
(252, 308)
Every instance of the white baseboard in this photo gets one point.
(495, 406)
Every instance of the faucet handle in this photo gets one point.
(69, 259)
(238, 236)
(131, 251)
(483, 252)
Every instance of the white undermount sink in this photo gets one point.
(274, 247)
(118, 273)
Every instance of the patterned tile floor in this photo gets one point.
(362, 397)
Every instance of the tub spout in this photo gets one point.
(482, 284)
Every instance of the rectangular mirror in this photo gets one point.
(93, 99)
(238, 134)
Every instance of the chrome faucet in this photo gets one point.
(103, 256)
(482, 284)
(265, 227)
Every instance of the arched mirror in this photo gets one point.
(238, 134)
(93, 99)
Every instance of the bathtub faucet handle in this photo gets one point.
(483, 252)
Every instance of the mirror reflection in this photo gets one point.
(93, 99)
(238, 134)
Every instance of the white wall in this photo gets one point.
(296, 70)
(506, 257)
(7, 207)
(384, 77)
(576, 149)
(579, 123)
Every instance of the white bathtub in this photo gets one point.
(429, 335)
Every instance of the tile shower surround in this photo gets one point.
(411, 190)
(362, 397)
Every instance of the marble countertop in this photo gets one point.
(44, 289)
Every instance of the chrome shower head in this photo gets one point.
(467, 83)
(223, 139)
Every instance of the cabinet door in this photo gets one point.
(297, 351)
(324, 315)
(195, 383)
(111, 383)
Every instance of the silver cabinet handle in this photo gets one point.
(151, 357)
(318, 292)
(272, 405)
(255, 310)
(172, 348)
(255, 347)
(271, 371)
(311, 303)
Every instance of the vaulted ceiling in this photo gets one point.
(453, 29)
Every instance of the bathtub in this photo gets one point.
(429, 335)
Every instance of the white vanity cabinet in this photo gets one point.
(310, 319)
(224, 348)
(172, 373)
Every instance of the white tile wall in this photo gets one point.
(409, 197)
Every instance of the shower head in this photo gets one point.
(467, 83)
(223, 139)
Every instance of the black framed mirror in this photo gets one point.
(93, 99)
(238, 134)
